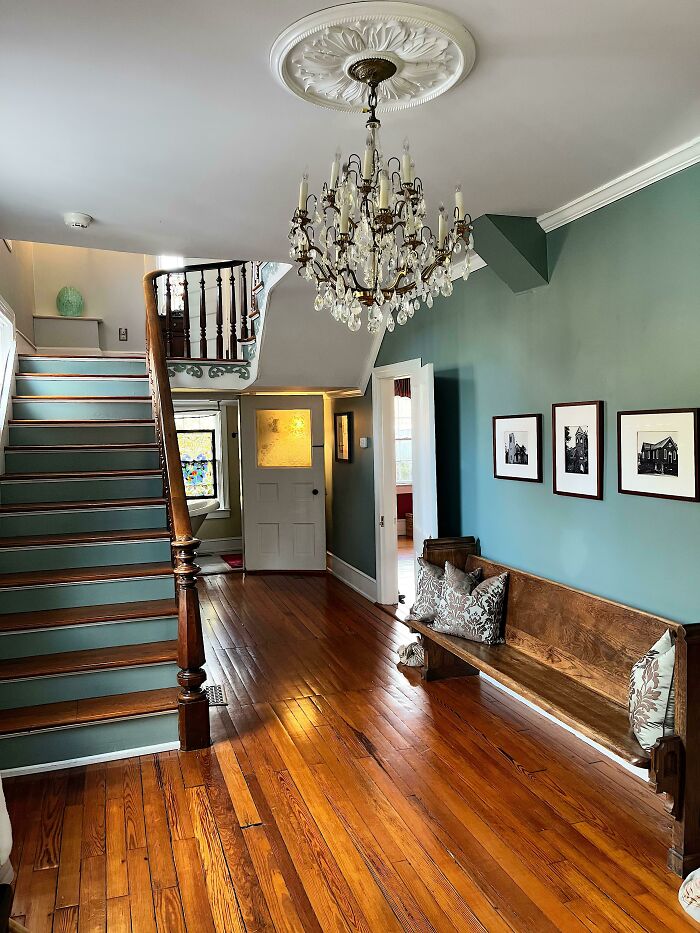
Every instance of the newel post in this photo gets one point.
(193, 706)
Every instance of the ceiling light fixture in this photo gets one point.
(77, 221)
(365, 242)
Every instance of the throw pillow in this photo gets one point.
(474, 613)
(428, 591)
(652, 699)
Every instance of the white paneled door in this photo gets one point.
(283, 482)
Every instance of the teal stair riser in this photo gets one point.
(46, 435)
(98, 388)
(122, 735)
(80, 490)
(86, 637)
(77, 521)
(97, 593)
(79, 461)
(35, 691)
(19, 560)
(103, 366)
(54, 410)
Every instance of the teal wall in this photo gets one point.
(619, 321)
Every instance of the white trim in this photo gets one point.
(667, 164)
(356, 579)
(30, 343)
(641, 773)
(220, 545)
(79, 352)
(125, 354)
(90, 759)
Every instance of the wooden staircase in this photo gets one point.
(88, 602)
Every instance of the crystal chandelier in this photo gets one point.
(365, 242)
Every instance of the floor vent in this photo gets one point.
(216, 695)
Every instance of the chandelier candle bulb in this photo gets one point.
(368, 161)
(406, 164)
(335, 170)
(459, 202)
(442, 227)
(303, 191)
(383, 191)
(344, 215)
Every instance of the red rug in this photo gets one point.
(235, 561)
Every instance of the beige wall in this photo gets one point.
(228, 527)
(17, 284)
(110, 282)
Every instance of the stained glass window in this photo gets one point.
(198, 458)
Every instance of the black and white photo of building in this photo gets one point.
(576, 448)
(657, 453)
(516, 447)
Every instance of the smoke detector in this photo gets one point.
(77, 221)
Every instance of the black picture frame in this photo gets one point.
(598, 409)
(537, 478)
(343, 436)
(630, 490)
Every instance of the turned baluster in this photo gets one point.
(168, 318)
(232, 349)
(244, 305)
(202, 318)
(219, 318)
(192, 701)
(186, 317)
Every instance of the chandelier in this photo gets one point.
(365, 242)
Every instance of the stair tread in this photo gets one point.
(83, 574)
(86, 615)
(90, 659)
(58, 506)
(86, 537)
(83, 712)
(140, 399)
(92, 474)
(138, 357)
(39, 448)
(93, 422)
(143, 375)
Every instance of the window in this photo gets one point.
(199, 438)
(283, 437)
(402, 441)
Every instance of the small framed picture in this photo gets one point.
(577, 449)
(657, 453)
(343, 436)
(517, 447)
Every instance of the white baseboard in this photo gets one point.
(221, 546)
(137, 354)
(357, 580)
(90, 759)
(69, 351)
(23, 339)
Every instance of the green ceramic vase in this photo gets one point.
(69, 302)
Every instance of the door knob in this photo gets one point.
(315, 491)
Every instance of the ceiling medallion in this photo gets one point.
(431, 52)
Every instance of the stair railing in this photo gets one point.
(223, 338)
(193, 705)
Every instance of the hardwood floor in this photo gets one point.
(342, 794)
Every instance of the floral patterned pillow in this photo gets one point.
(428, 591)
(652, 696)
(474, 612)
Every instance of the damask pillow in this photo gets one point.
(428, 591)
(652, 695)
(475, 613)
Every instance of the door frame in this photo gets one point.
(424, 465)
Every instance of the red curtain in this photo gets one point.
(402, 388)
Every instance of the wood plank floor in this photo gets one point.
(342, 794)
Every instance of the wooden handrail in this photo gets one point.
(193, 706)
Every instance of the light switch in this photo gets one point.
(123, 333)
(364, 442)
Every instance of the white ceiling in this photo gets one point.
(163, 120)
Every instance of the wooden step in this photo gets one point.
(101, 399)
(71, 356)
(88, 615)
(83, 575)
(58, 506)
(96, 474)
(84, 712)
(93, 659)
(75, 422)
(32, 449)
(82, 375)
(86, 537)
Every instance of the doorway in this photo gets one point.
(404, 475)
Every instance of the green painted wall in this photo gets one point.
(619, 321)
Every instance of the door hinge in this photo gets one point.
(381, 521)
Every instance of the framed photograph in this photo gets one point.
(343, 436)
(657, 453)
(517, 447)
(577, 449)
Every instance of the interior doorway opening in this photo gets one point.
(404, 476)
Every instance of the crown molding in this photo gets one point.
(668, 164)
